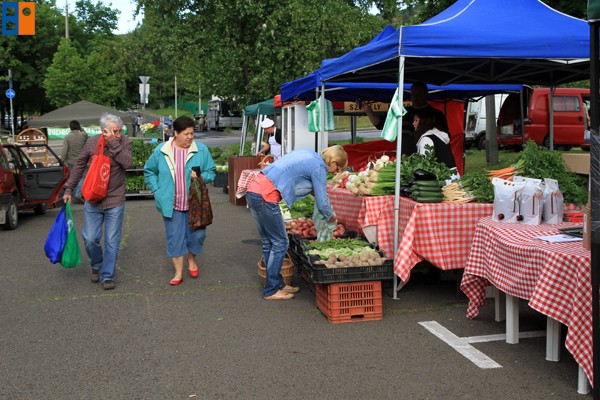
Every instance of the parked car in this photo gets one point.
(571, 118)
(25, 185)
(476, 121)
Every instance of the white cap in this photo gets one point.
(267, 123)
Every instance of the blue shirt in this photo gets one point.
(299, 173)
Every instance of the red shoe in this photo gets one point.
(194, 272)
(175, 282)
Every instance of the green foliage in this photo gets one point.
(67, 78)
(427, 162)
(534, 162)
(251, 47)
(539, 162)
(141, 151)
(221, 154)
(303, 208)
(478, 184)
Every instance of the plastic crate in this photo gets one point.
(350, 302)
(321, 274)
(221, 179)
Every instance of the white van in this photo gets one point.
(475, 121)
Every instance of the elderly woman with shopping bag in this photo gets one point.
(173, 168)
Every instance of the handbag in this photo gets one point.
(95, 185)
(200, 212)
(57, 237)
(71, 255)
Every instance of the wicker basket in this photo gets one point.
(287, 270)
(266, 161)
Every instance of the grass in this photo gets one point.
(170, 111)
(475, 160)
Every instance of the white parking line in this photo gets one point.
(463, 345)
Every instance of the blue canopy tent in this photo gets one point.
(381, 91)
(473, 41)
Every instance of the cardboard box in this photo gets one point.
(579, 163)
(587, 235)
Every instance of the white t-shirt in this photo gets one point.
(424, 140)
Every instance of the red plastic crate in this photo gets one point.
(350, 302)
(575, 216)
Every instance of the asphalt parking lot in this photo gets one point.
(214, 337)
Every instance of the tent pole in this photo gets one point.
(398, 164)
(551, 117)
(594, 197)
(244, 133)
(322, 142)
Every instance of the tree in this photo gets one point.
(245, 49)
(28, 57)
(106, 83)
(67, 78)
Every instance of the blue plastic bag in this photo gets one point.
(57, 237)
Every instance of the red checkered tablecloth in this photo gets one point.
(554, 277)
(246, 177)
(440, 233)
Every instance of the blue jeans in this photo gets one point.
(77, 191)
(112, 219)
(273, 237)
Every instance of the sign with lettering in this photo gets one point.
(352, 107)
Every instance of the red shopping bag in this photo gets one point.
(95, 184)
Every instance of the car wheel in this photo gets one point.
(546, 142)
(12, 215)
(40, 209)
(481, 142)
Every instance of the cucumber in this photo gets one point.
(427, 183)
(419, 193)
(422, 199)
(428, 189)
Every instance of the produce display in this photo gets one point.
(473, 186)
(426, 162)
(425, 188)
(135, 183)
(300, 209)
(373, 174)
(344, 253)
(535, 162)
(305, 227)
(141, 151)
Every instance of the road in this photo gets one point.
(217, 138)
(214, 337)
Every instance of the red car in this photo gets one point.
(28, 185)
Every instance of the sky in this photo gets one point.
(126, 22)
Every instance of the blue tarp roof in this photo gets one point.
(475, 41)
(356, 91)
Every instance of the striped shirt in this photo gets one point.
(181, 198)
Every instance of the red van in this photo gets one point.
(571, 118)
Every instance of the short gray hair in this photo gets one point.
(108, 118)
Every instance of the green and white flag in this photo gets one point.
(390, 128)
(314, 116)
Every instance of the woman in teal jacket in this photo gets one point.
(168, 173)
